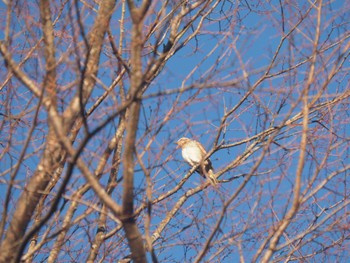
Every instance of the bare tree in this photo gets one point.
(96, 93)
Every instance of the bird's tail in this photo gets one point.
(212, 179)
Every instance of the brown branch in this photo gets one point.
(115, 144)
(132, 232)
(96, 39)
(49, 83)
(49, 86)
(284, 223)
(17, 71)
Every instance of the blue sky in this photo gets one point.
(255, 34)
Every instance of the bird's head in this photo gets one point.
(182, 141)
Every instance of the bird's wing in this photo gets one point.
(201, 148)
(207, 162)
(208, 165)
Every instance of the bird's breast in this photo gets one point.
(192, 155)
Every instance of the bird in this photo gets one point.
(194, 153)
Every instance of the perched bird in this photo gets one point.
(193, 153)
